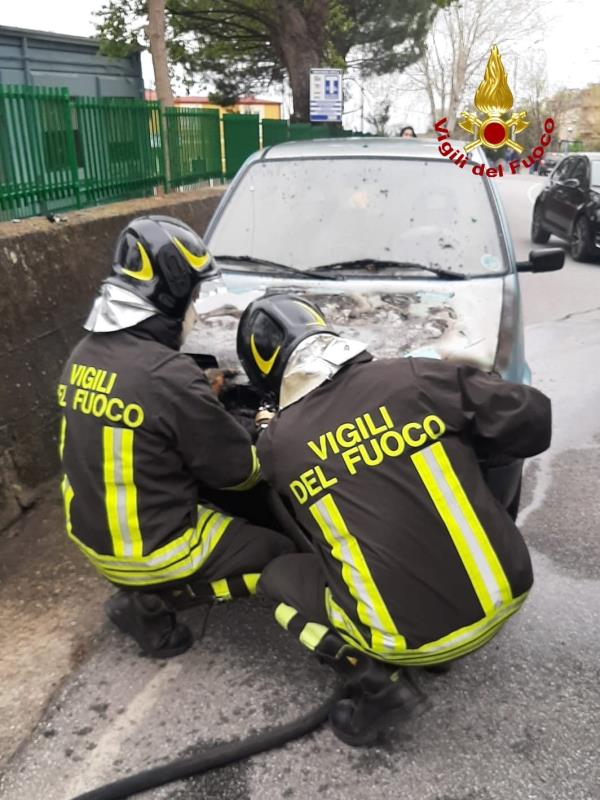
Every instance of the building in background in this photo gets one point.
(266, 109)
(36, 58)
(589, 117)
(577, 114)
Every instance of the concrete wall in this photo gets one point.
(49, 275)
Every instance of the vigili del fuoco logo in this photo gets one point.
(496, 129)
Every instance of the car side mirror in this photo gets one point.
(572, 183)
(543, 261)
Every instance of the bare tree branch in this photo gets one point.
(458, 46)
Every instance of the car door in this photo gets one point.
(556, 199)
(573, 197)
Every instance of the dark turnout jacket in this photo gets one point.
(142, 438)
(380, 466)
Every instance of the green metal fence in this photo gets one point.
(38, 169)
(242, 138)
(119, 151)
(193, 144)
(275, 131)
(59, 153)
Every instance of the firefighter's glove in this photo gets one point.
(263, 417)
(219, 378)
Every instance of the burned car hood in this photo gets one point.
(454, 320)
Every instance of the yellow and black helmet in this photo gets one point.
(162, 260)
(270, 330)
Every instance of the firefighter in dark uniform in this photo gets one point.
(415, 563)
(145, 445)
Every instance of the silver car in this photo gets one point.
(399, 246)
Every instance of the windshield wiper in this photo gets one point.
(377, 265)
(272, 266)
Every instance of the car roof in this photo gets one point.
(360, 146)
(593, 156)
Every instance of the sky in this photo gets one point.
(571, 42)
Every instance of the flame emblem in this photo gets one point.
(494, 99)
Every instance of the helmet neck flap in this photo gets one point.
(315, 360)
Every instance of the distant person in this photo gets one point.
(408, 132)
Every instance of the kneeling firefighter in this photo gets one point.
(415, 562)
(146, 446)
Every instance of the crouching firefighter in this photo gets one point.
(145, 444)
(415, 562)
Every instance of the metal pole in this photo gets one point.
(362, 109)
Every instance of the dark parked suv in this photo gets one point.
(569, 207)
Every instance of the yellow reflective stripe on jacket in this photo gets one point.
(251, 480)
(462, 641)
(454, 645)
(140, 572)
(163, 556)
(370, 606)
(62, 436)
(68, 494)
(120, 491)
(473, 546)
(343, 624)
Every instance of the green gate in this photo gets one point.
(193, 144)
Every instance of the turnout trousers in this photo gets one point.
(233, 566)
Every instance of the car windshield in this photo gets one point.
(312, 212)
(595, 178)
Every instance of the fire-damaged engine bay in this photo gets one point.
(390, 324)
(439, 323)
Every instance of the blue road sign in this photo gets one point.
(326, 100)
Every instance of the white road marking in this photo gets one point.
(98, 766)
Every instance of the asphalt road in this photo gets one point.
(519, 719)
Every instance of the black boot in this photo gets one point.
(146, 618)
(439, 669)
(380, 696)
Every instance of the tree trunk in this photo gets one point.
(457, 91)
(158, 50)
(164, 93)
(301, 42)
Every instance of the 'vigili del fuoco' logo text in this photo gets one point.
(494, 100)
